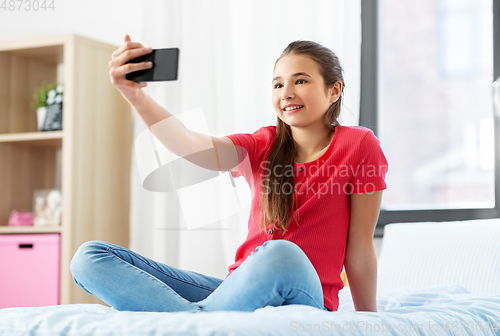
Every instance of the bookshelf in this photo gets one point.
(89, 160)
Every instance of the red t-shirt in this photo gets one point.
(353, 162)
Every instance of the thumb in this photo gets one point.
(127, 38)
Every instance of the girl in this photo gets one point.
(317, 190)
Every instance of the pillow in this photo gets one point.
(420, 255)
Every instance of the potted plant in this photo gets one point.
(47, 94)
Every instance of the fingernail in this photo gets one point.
(149, 49)
(149, 64)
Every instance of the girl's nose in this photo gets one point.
(287, 94)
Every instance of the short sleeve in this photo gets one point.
(252, 148)
(370, 166)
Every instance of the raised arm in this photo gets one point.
(215, 153)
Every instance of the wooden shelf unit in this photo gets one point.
(89, 160)
(29, 229)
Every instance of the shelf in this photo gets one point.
(89, 161)
(45, 139)
(46, 54)
(4, 229)
(46, 48)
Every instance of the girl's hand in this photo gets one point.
(118, 69)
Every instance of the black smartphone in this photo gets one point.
(165, 66)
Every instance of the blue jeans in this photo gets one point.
(277, 273)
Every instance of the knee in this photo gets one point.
(81, 261)
(282, 256)
(285, 261)
(281, 248)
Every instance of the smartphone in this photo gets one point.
(165, 66)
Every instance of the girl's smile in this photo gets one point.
(292, 108)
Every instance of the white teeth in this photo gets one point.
(293, 108)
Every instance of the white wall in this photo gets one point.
(377, 244)
(106, 21)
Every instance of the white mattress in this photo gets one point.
(443, 310)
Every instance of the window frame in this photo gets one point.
(368, 117)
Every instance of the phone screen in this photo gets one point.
(165, 66)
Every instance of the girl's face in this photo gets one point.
(299, 96)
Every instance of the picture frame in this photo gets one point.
(53, 118)
(47, 207)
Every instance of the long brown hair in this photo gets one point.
(278, 197)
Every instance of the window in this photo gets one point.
(427, 92)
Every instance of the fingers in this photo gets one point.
(133, 85)
(118, 67)
(126, 46)
(120, 82)
(129, 54)
(121, 71)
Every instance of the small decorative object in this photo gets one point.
(21, 218)
(41, 112)
(49, 104)
(47, 206)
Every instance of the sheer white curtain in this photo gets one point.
(227, 53)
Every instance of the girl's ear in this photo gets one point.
(335, 92)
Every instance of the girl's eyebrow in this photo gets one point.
(297, 74)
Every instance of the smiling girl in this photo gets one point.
(316, 186)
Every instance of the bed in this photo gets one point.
(433, 279)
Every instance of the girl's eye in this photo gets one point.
(299, 81)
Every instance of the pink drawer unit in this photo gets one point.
(29, 270)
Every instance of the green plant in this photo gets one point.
(41, 94)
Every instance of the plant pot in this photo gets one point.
(41, 112)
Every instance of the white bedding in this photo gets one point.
(442, 310)
(422, 255)
(446, 299)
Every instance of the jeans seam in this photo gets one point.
(319, 306)
(146, 262)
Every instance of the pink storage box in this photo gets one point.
(29, 270)
(19, 218)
